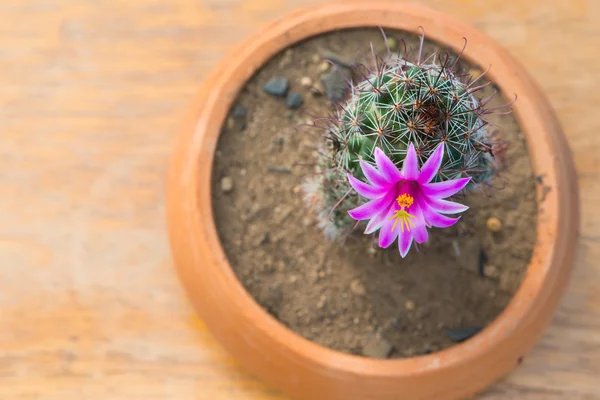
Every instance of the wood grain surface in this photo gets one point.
(91, 95)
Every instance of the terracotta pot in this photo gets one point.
(302, 368)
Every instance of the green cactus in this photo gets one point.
(423, 102)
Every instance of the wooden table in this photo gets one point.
(90, 98)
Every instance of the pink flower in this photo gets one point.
(404, 203)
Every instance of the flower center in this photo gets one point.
(404, 201)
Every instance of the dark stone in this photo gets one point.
(335, 84)
(294, 100)
(462, 334)
(239, 116)
(482, 260)
(239, 111)
(378, 347)
(277, 86)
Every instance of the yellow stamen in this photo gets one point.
(401, 215)
(404, 201)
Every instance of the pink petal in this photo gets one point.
(410, 166)
(419, 231)
(386, 235)
(373, 175)
(376, 222)
(440, 190)
(386, 167)
(404, 242)
(365, 190)
(445, 206)
(438, 220)
(372, 208)
(432, 165)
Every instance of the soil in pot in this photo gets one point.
(356, 298)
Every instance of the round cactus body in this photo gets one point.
(397, 104)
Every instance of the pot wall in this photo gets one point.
(305, 369)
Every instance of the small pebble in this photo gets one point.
(306, 82)
(356, 320)
(321, 302)
(294, 100)
(279, 140)
(296, 189)
(317, 90)
(493, 224)
(462, 334)
(491, 271)
(243, 171)
(324, 66)
(293, 278)
(321, 274)
(372, 251)
(392, 43)
(254, 209)
(315, 58)
(409, 305)
(378, 347)
(357, 287)
(230, 123)
(286, 59)
(277, 86)
(226, 184)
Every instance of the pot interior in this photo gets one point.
(348, 294)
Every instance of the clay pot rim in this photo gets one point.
(192, 225)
